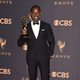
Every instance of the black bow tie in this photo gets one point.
(35, 23)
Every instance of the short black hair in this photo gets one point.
(35, 6)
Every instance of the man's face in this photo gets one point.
(36, 14)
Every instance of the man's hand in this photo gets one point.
(25, 46)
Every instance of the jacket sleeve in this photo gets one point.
(21, 40)
(50, 39)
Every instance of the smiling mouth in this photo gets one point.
(36, 17)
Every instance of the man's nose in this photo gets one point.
(35, 13)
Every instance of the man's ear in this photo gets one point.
(40, 13)
(30, 16)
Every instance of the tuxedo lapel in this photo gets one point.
(31, 32)
(40, 30)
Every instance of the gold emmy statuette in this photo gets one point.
(25, 33)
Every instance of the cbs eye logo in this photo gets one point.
(5, 71)
(5, 21)
(62, 23)
(55, 74)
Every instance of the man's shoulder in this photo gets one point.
(46, 23)
(28, 23)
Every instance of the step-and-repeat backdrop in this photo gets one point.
(64, 17)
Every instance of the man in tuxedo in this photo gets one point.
(40, 46)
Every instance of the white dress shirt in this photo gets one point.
(35, 28)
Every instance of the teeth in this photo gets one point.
(36, 17)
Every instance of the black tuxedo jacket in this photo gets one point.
(43, 45)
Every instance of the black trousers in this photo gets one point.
(44, 67)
